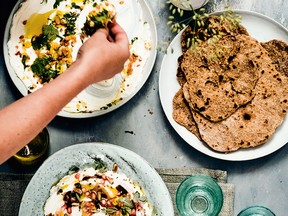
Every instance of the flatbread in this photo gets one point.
(255, 123)
(224, 26)
(221, 76)
(182, 114)
(278, 52)
(180, 74)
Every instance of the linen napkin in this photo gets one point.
(173, 177)
(12, 187)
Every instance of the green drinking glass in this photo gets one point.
(256, 211)
(199, 195)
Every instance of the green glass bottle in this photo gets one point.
(35, 150)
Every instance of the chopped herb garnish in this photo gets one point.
(57, 3)
(70, 19)
(38, 42)
(95, 21)
(50, 33)
(134, 39)
(110, 210)
(74, 5)
(41, 67)
(24, 59)
(98, 163)
(73, 169)
(126, 202)
(139, 198)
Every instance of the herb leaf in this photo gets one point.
(57, 3)
(24, 59)
(50, 32)
(126, 202)
(95, 21)
(110, 210)
(70, 19)
(38, 42)
(42, 69)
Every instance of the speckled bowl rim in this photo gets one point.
(130, 163)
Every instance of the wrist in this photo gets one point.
(79, 72)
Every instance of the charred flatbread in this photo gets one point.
(255, 123)
(182, 114)
(278, 52)
(221, 76)
(225, 26)
(249, 124)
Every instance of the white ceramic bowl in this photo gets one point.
(186, 4)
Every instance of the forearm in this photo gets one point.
(25, 118)
(98, 59)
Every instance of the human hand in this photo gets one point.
(103, 55)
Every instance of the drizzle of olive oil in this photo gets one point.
(76, 1)
(35, 23)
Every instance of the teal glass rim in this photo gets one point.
(257, 211)
(199, 194)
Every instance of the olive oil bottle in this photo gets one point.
(34, 151)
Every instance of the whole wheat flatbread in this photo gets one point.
(180, 74)
(255, 123)
(182, 114)
(225, 27)
(278, 52)
(215, 22)
(251, 124)
(221, 76)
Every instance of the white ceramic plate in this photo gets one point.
(132, 14)
(263, 29)
(131, 164)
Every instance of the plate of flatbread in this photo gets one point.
(226, 94)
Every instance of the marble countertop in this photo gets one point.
(141, 125)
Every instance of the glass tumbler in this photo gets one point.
(35, 150)
(199, 195)
(256, 211)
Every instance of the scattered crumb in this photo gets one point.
(150, 111)
(130, 132)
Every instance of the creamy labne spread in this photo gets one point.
(91, 192)
(46, 35)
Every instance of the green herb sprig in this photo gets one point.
(198, 20)
(175, 25)
(193, 18)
